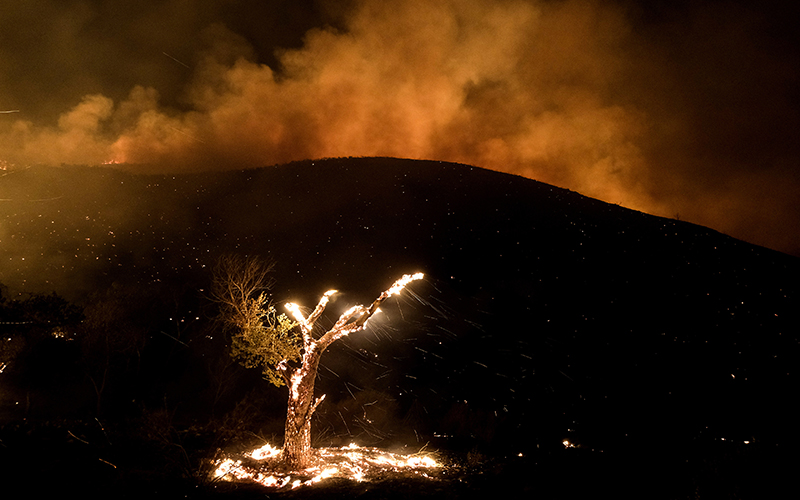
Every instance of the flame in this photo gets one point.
(298, 316)
(307, 323)
(297, 377)
(266, 451)
(402, 282)
(350, 462)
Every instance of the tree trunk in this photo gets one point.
(300, 408)
(297, 443)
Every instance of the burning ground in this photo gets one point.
(352, 462)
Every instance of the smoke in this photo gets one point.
(680, 111)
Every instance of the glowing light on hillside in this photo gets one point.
(59, 333)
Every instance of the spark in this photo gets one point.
(177, 61)
(9, 111)
(344, 422)
(76, 437)
(175, 338)
(187, 135)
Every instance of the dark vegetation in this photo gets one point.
(656, 346)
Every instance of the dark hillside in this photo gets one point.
(545, 315)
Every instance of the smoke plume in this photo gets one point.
(684, 109)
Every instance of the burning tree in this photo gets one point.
(263, 338)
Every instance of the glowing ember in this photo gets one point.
(266, 451)
(352, 462)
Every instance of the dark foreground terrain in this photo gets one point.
(664, 352)
(54, 459)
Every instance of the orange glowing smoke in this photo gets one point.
(458, 80)
(574, 93)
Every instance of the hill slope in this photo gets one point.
(545, 315)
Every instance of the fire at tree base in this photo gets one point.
(354, 463)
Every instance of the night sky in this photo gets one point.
(680, 109)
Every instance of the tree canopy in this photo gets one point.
(260, 337)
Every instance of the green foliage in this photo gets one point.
(260, 338)
(267, 344)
